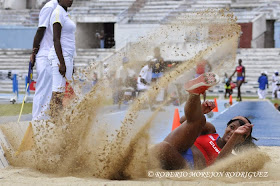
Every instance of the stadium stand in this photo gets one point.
(255, 60)
(16, 61)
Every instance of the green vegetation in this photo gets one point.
(14, 109)
(275, 101)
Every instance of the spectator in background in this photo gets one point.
(202, 67)
(158, 69)
(145, 76)
(125, 82)
(42, 43)
(228, 88)
(275, 80)
(62, 52)
(106, 72)
(94, 79)
(240, 69)
(158, 66)
(263, 83)
(101, 37)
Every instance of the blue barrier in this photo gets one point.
(15, 85)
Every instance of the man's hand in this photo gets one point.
(62, 69)
(207, 106)
(32, 60)
(32, 56)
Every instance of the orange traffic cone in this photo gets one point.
(216, 108)
(230, 99)
(176, 120)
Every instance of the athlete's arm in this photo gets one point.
(142, 80)
(233, 73)
(236, 138)
(57, 45)
(36, 43)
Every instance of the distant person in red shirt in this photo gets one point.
(202, 67)
(240, 69)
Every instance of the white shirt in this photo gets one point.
(68, 30)
(44, 21)
(275, 79)
(145, 73)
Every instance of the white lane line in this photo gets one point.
(270, 138)
(228, 108)
(113, 113)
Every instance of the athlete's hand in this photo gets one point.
(243, 131)
(207, 106)
(62, 69)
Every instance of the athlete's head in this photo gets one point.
(240, 61)
(65, 3)
(232, 125)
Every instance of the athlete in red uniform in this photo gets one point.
(195, 143)
(240, 78)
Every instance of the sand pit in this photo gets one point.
(263, 171)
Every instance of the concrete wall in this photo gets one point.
(17, 37)
(85, 35)
(258, 42)
(125, 33)
(15, 4)
(96, 19)
(259, 26)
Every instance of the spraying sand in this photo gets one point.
(79, 147)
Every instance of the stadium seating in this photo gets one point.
(16, 61)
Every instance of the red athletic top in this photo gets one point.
(207, 144)
(200, 67)
(239, 69)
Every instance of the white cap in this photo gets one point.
(265, 72)
(275, 71)
(150, 58)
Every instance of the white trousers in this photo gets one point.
(43, 91)
(262, 93)
(274, 89)
(59, 81)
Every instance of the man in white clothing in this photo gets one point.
(42, 43)
(145, 76)
(275, 80)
